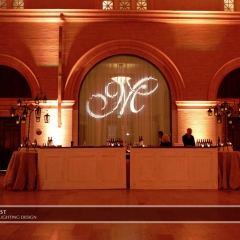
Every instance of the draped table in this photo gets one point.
(229, 170)
(22, 171)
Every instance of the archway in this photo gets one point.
(124, 97)
(219, 76)
(13, 131)
(152, 54)
(218, 91)
(23, 69)
(13, 84)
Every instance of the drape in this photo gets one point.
(123, 97)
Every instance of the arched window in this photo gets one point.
(124, 97)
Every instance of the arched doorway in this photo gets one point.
(13, 85)
(123, 97)
(229, 88)
(217, 88)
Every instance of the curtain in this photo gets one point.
(123, 97)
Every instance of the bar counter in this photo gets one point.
(105, 168)
(174, 168)
(81, 168)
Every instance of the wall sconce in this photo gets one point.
(221, 107)
(36, 100)
(225, 106)
(47, 118)
(23, 120)
(38, 114)
(18, 119)
(25, 111)
(12, 112)
(19, 102)
(209, 112)
(44, 99)
(229, 112)
(219, 118)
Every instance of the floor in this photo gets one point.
(124, 231)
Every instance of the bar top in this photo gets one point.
(60, 147)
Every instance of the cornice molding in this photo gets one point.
(96, 15)
(190, 105)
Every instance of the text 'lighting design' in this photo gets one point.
(134, 91)
(25, 109)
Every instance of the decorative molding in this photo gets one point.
(97, 15)
(195, 104)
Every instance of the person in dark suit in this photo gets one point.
(188, 138)
(160, 135)
(165, 141)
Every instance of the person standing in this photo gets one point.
(188, 138)
(160, 135)
(165, 141)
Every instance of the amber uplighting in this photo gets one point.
(193, 114)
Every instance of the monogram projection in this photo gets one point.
(122, 98)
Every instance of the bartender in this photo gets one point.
(188, 138)
(160, 135)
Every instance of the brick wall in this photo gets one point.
(196, 44)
